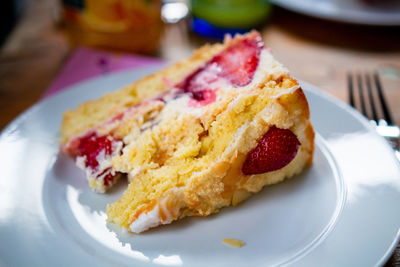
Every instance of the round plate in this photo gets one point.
(342, 210)
(380, 13)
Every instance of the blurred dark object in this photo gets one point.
(356, 12)
(394, 260)
(30, 57)
(379, 2)
(8, 19)
(353, 36)
(124, 25)
(214, 18)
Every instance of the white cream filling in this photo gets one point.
(169, 212)
(148, 220)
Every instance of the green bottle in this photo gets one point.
(216, 17)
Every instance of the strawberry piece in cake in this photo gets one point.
(94, 157)
(276, 149)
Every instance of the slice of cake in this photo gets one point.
(198, 136)
(93, 132)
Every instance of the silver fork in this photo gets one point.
(378, 111)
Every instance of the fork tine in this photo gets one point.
(351, 89)
(371, 97)
(361, 94)
(385, 107)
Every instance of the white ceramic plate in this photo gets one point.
(382, 13)
(343, 211)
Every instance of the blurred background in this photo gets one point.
(47, 45)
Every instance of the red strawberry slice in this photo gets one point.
(239, 62)
(276, 149)
(236, 64)
(109, 176)
(202, 98)
(92, 145)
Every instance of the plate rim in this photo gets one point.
(343, 18)
(306, 86)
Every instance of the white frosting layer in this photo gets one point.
(148, 220)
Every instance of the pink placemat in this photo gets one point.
(87, 63)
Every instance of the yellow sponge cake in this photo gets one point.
(200, 135)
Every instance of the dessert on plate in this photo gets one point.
(202, 134)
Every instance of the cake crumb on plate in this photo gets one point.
(233, 242)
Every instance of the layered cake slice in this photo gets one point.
(93, 132)
(198, 136)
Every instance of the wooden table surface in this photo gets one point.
(316, 51)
